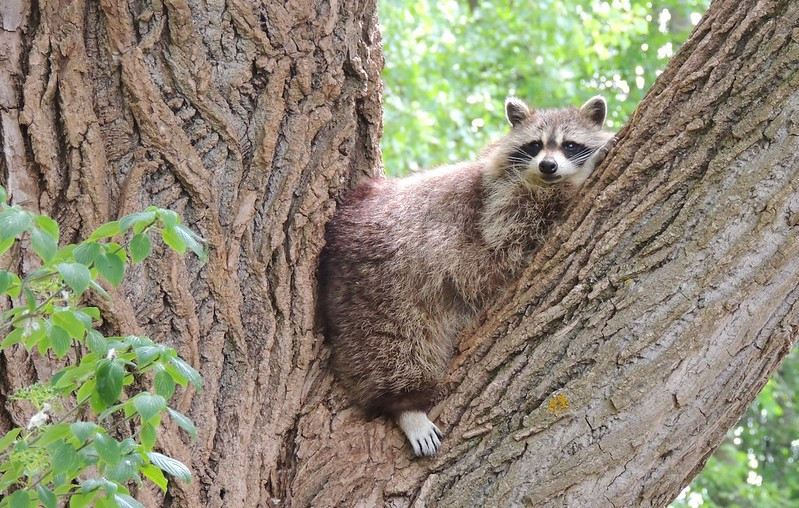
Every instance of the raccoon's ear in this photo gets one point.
(595, 109)
(516, 111)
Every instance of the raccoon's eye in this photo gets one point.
(571, 148)
(528, 150)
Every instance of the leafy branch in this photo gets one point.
(60, 454)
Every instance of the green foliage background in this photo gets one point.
(449, 66)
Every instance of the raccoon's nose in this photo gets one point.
(548, 166)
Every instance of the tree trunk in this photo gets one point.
(247, 119)
(637, 337)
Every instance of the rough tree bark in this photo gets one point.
(638, 336)
(244, 117)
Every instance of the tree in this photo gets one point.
(637, 337)
(243, 118)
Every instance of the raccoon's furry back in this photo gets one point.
(409, 262)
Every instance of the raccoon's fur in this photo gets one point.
(410, 261)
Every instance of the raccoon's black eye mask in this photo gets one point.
(527, 151)
(572, 149)
(577, 153)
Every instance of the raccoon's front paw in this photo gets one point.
(600, 154)
(423, 434)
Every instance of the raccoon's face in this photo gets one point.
(552, 146)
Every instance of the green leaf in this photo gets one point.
(125, 501)
(42, 345)
(111, 410)
(111, 268)
(30, 298)
(67, 320)
(12, 314)
(82, 430)
(9, 438)
(63, 457)
(139, 220)
(15, 287)
(12, 338)
(5, 280)
(172, 466)
(6, 244)
(146, 353)
(36, 331)
(85, 319)
(117, 250)
(80, 500)
(75, 275)
(43, 244)
(20, 499)
(14, 221)
(86, 253)
(139, 247)
(164, 384)
(188, 372)
(94, 484)
(183, 422)
(60, 339)
(177, 376)
(48, 225)
(125, 469)
(13, 473)
(64, 253)
(130, 446)
(169, 218)
(148, 436)
(3, 195)
(105, 231)
(106, 501)
(107, 448)
(53, 433)
(136, 341)
(96, 342)
(86, 390)
(93, 312)
(65, 378)
(148, 405)
(173, 239)
(109, 376)
(96, 403)
(46, 496)
(155, 475)
(192, 240)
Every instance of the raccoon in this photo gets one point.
(409, 262)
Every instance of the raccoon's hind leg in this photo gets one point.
(409, 410)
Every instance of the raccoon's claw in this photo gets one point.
(424, 436)
(600, 154)
(427, 446)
